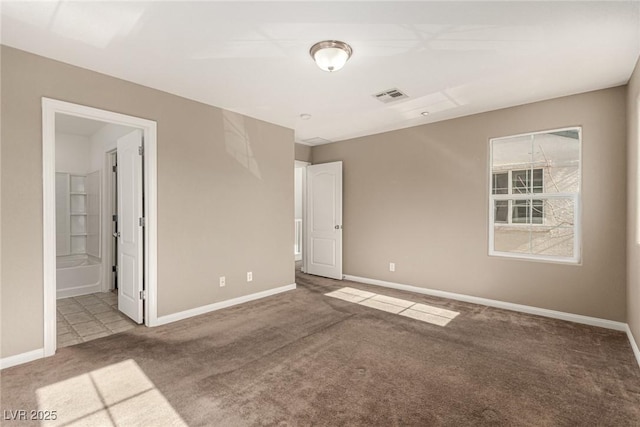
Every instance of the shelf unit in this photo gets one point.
(77, 214)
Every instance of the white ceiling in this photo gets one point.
(452, 58)
(77, 126)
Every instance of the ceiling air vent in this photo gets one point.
(316, 141)
(390, 95)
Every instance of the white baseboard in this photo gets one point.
(634, 344)
(577, 318)
(609, 324)
(163, 320)
(19, 359)
(79, 290)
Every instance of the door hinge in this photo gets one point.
(142, 222)
(114, 168)
(114, 218)
(141, 150)
(114, 268)
(143, 294)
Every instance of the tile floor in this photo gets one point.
(88, 317)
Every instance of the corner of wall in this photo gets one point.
(633, 205)
(303, 152)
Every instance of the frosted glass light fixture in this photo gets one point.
(330, 55)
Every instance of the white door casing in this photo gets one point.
(324, 220)
(50, 108)
(302, 166)
(130, 239)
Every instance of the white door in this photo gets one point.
(324, 220)
(130, 257)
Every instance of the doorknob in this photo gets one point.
(338, 227)
(116, 235)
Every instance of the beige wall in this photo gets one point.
(225, 193)
(303, 152)
(633, 235)
(418, 197)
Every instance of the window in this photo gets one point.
(501, 183)
(522, 211)
(527, 180)
(535, 196)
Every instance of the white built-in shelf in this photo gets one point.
(78, 213)
(77, 184)
(77, 220)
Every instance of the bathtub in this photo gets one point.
(77, 275)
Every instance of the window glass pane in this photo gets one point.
(549, 231)
(500, 183)
(520, 181)
(520, 212)
(554, 242)
(537, 212)
(511, 153)
(558, 155)
(559, 212)
(513, 239)
(556, 238)
(538, 186)
(527, 212)
(501, 211)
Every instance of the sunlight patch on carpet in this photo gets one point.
(423, 312)
(116, 395)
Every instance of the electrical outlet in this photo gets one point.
(392, 266)
(223, 281)
(249, 276)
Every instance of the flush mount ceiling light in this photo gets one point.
(330, 55)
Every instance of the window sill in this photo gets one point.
(525, 227)
(536, 258)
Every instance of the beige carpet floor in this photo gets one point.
(306, 358)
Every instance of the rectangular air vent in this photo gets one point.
(316, 141)
(390, 95)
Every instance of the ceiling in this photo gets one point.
(451, 58)
(77, 126)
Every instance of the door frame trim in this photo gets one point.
(299, 164)
(149, 128)
(107, 246)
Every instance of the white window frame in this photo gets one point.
(576, 197)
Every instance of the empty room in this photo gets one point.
(320, 213)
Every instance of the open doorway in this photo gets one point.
(86, 304)
(99, 266)
(300, 175)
